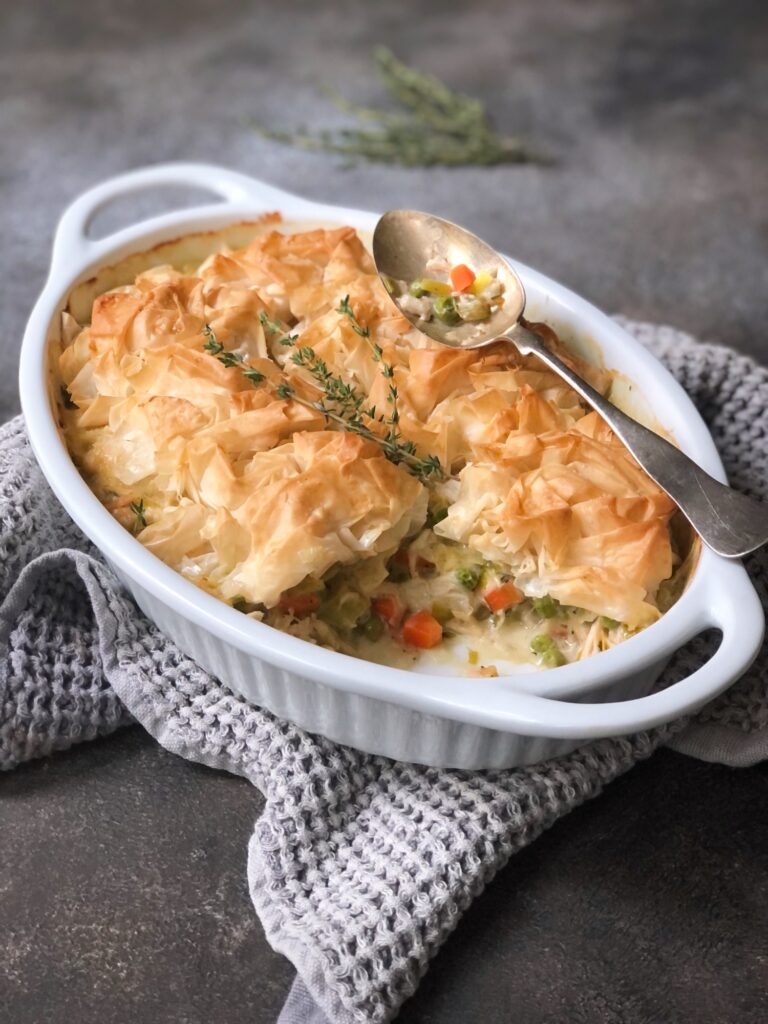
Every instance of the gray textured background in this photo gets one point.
(122, 869)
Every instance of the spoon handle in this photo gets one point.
(729, 522)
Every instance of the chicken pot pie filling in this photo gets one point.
(269, 425)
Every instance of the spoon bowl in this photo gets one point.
(404, 243)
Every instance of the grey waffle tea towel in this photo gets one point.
(359, 867)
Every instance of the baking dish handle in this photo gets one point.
(237, 190)
(734, 608)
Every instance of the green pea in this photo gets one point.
(441, 612)
(541, 643)
(373, 628)
(482, 612)
(445, 309)
(547, 607)
(548, 651)
(417, 289)
(554, 658)
(469, 578)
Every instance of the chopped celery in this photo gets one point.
(473, 309)
(343, 610)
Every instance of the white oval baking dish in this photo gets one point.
(436, 720)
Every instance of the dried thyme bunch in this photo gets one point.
(437, 125)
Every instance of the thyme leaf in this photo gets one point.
(273, 327)
(387, 370)
(365, 332)
(140, 515)
(212, 344)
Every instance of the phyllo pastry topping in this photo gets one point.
(270, 425)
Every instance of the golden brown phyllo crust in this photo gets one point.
(248, 492)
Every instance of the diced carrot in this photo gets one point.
(503, 597)
(388, 608)
(299, 604)
(462, 277)
(422, 630)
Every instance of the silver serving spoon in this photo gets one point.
(405, 240)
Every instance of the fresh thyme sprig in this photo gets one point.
(387, 370)
(365, 332)
(399, 452)
(342, 404)
(229, 359)
(436, 125)
(346, 399)
(140, 514)
(273, 327)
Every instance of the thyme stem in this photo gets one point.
(343, 404)
(387, 370)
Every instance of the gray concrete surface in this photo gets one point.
(122, 883)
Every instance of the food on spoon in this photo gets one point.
(455, 295)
